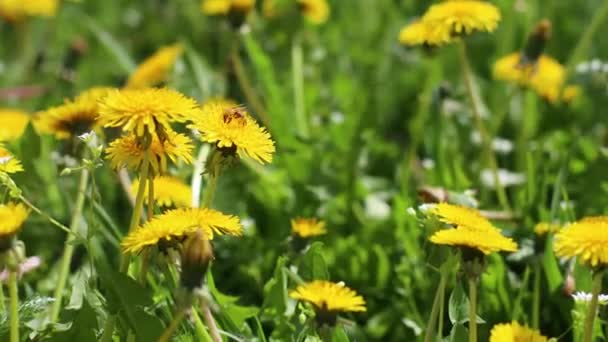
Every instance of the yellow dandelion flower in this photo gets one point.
(12, 217)
(457, 215)
(419, 33)
(155, 68)
(546, 76)
(307, 227)
(94, 95)
(127, 152)
(329, 297)
(13, 124)
(175, 224)
(485, 240)
(461, 17)
(69, 119)
(8, 162)
(229, 126)
(223, 7)
(148, 109)
(168, 192)
(14, 10)
(316, 11)
(513, 332)
(544, 228)
(586, 239)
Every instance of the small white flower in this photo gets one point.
(411, 211)
(506, 178)
(583, 297)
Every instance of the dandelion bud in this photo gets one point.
(536, 43)
(196, 255)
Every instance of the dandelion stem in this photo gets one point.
(2, 299)
(472, 309)
(210, 321)
(14, 297)
(486, 140)
(536, 295)
(45, 215)
(297, 65)
(139, 204)
(214, 174)
(197, 175)
(166, 336)
(68, 249)
(150, 197)
(108, 329)
(201, 332)
(590, 319)
(437, 303)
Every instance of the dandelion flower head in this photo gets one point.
(330, 297)
(307, 227)
(229, 126)
(586, 239)
(460, 17)
(15, 10)
(486, 241)
(177, 223)
(155, 69)
(223, 7)
(546, 76)
(513, 332)
(544, 228)
(13, 122)
(461, 216)
(144, 110)
(168, 192)
(128, 152)
(8, 162)
(12, 217)
(73, 117)
(316, 11)
(419, 32)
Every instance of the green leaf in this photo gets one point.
(235, 314)
(459, 333)
(275, 290)
(313, 266)
(381, 266)
(458, 309)
(84, 324)
(128, 298)
(339, 335)
(554, 276)
(78, 290)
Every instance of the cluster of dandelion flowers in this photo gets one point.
(546, 77)
(444, 21)
(15, 10)
(176, 224)
(12, 217)
(315, 11)
(14, 122)
(307, 227)
(230, 127)
(147, 110)
(586, 239)
(128, 152)
(512, 332)
(329, 299)
(168, 192)
(155, 69)
(224, 7)
(8, 162)
(73, 117)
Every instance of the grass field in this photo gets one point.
(303, 170)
